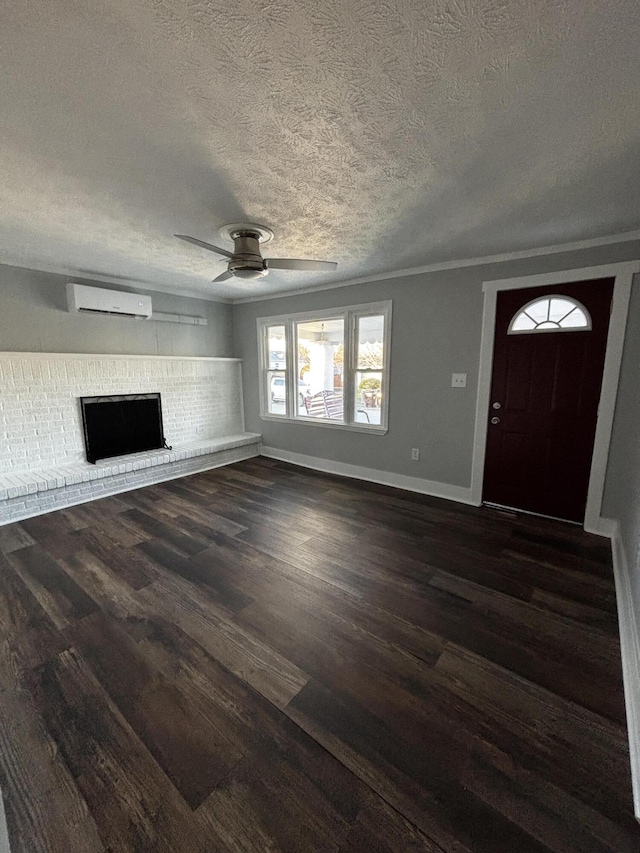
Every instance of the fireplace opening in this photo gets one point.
(121, 424)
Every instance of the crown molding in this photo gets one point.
(594, 242)
(141, 284)
(192, 293)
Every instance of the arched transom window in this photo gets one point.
(550, 314)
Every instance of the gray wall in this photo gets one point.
(622, 491)
(436, 332)
(34, 318)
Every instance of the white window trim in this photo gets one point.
(350, 313)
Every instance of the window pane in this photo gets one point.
(276, 373)
(560, 308)
(575, 320)
(370, 342)
(522, 323)
(539, 311)
(320, 367)
(368, 378)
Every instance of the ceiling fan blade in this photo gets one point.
(204, 245)
(224, 276)
(298, 264)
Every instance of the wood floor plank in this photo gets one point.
(54, 532)
(29, 632)
(575, 610)
(50, 525)
(560, 578)
(195, 756)
(272, 675)
(266, 658)
(596, 646)
(308, 803)
(490, 570)
(14, 536)
(112, 529)
(114, 551)
(178, 506)
(587, 749)
(135, 806)
(381, 829)
(276, 583)
(106, 588)
(59, 594)
(98, 512)
(46, 812)
(200, 573)
(190, 490)
(160, 530)
(555, 817)
(427, 792)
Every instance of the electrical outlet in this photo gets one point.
(458, 380)
(415, 454)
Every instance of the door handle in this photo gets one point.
(495, 420)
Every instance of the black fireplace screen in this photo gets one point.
(117, 425)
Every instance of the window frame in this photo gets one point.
(350, 314)
(537, 330)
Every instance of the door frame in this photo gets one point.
(622, 273)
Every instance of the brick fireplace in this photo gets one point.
(42, 456)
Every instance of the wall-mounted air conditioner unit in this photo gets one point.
(98, 300)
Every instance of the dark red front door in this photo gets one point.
(544, 400)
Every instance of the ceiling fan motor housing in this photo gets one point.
(247, 262)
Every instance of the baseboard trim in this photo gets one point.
(600, 527)
(630, 652)
(460, 494)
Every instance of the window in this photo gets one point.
(277, 366)
(551, 314)
(328, 368)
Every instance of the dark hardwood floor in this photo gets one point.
(261, 658)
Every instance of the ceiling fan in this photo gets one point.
(246, 261)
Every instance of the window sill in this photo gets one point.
(370, 428)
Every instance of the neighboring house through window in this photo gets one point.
(328, 368)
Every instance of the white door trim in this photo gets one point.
(623, 275)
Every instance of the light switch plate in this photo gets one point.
(458, 380)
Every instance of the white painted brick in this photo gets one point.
(12, 510)
(40, 421)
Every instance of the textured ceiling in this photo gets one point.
(382, 134)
